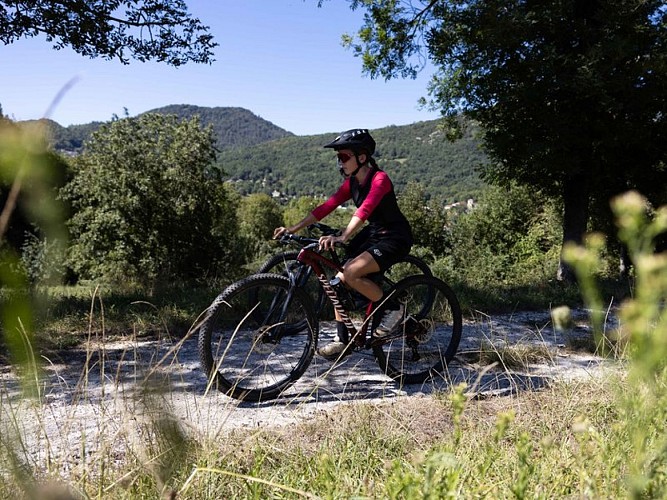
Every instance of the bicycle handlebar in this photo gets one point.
(306, 241)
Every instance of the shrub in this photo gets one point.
(148, 205)
(512, 236)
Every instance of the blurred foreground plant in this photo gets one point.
(644, 327)
(27, 172)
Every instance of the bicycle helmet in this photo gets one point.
(356, 139)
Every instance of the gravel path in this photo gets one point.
(90, 403)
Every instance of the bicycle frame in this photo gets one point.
(318, 262)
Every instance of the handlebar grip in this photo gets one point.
(325, 229)
(287, 237)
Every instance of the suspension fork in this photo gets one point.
(296, 279)
(276, 315)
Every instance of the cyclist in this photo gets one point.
(385, 240)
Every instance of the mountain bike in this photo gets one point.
(286, 263)
(259, 335)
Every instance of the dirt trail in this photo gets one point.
(90, 397)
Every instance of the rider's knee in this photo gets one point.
(350, 275)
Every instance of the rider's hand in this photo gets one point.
(278, 232)
(328, 242)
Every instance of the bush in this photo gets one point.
(512, 237)
(148, 206)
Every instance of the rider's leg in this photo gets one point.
(354, 272)
(354, 275)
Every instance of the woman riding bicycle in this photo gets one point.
(384, 241)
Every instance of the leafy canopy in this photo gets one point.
(146, 203)
(559, 86)
(571, 94)
(160, 30)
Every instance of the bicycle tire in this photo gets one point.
(283, 264)
(250, 345)
(406, 267)
(428, 335)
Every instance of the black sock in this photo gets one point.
(388, 304)
(341, 330)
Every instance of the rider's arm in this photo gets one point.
(320, 212)
(328, 242)
(352, 227)
(306, 221)
(336, 200)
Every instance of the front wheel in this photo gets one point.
(427, 336)
(258, 337)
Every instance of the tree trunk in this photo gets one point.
(576, 190)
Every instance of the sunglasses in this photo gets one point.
(343, 157)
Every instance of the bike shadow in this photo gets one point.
(358, 376)
(109, 367)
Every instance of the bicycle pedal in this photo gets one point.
(393, 335)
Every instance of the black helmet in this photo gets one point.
(357, 139)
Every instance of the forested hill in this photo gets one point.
(259, 156)
(419, 152)
(231, 127)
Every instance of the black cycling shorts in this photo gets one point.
(386, 248)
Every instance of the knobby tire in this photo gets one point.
(258, 337)
(428, 335)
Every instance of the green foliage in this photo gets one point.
(146, 203)
(160, 31)
(556, 86)
(44, 261)
(297, 208)
(510, 236)
(427, 218)
(258, 215)
(644, 322)
(68, 139)
(298, 166)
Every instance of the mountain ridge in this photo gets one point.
(258, 156)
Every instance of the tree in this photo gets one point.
(571, 94)
(148, 204)
(427, 218)
(258, 216)
(112, 29)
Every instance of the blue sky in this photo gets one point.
(281, 59)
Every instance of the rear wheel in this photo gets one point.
(407, 266)
(258, 337)
(428, 334)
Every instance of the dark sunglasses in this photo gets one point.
(343, 157)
